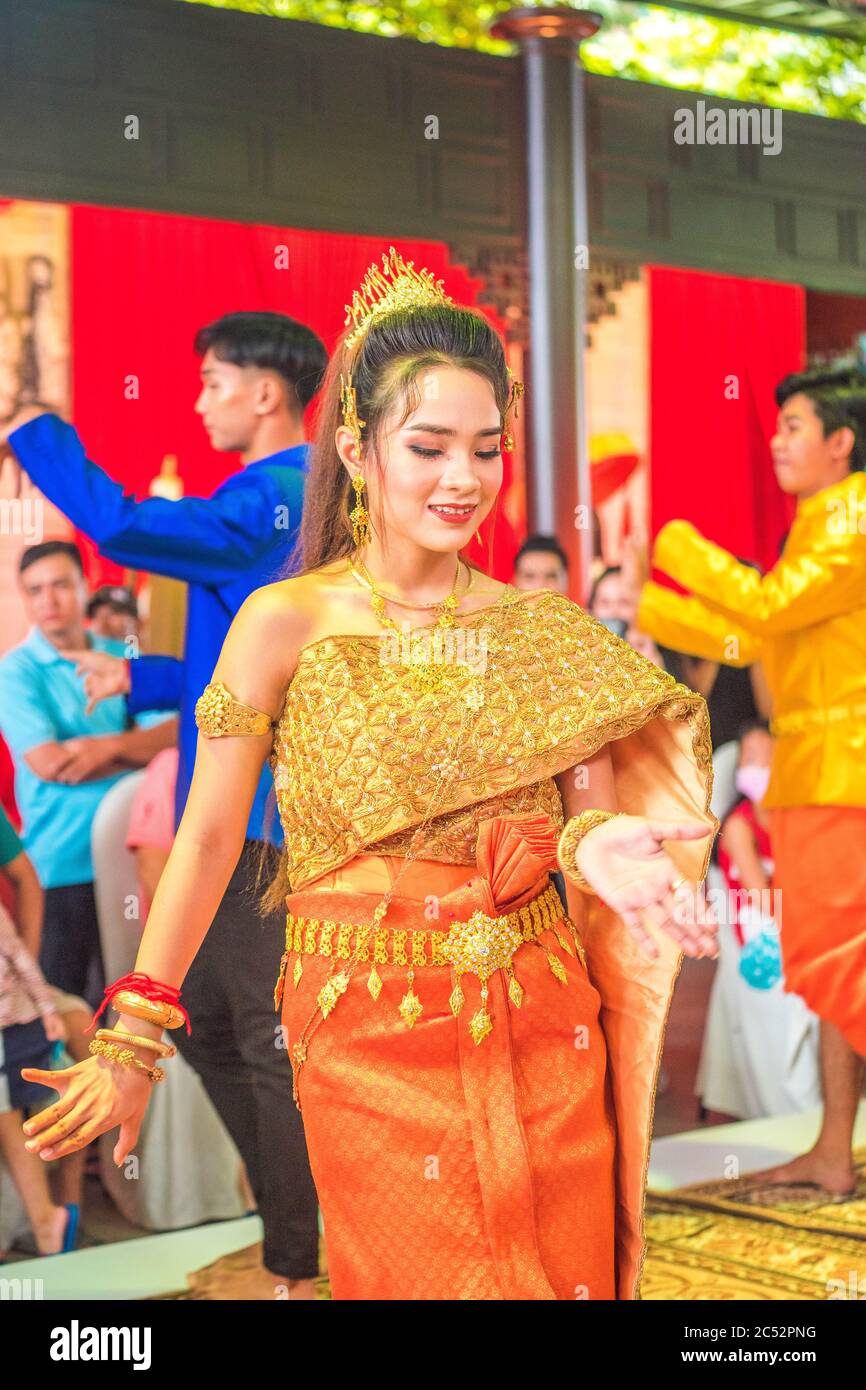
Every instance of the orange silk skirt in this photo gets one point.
(446, 1169)
(820, 868)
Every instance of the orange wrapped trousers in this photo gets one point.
(820, 868)
(446, 1169)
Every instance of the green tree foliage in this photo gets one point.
(796, 71)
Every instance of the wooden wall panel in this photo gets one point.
(267, 120)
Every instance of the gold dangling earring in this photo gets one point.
(478, 537)
(516, 390)
(359, 516)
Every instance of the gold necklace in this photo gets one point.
(422, 651)
(366, 579)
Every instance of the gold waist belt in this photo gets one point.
(480, 945)
(799, 721)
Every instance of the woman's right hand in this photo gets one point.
(95, 1096)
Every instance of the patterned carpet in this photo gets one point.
(728, 1240)
(737, 1239)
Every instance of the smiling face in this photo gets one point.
(804, 458)
(441, 467)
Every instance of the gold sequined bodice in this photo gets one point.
(359, 750)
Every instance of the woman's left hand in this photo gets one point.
(623, 860)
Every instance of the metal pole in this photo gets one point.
(549, 39)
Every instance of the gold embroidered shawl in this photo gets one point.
(358, 752)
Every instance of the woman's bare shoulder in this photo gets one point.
(289, 611)
(275, 603)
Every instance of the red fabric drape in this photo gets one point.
(710, 454)
(143, 282)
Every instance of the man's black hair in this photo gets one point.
(548, 544)
(33, 553)
(273, 342)
(839, 399)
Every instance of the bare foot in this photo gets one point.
(303, 1289)
(256, 1286)
(834, 1175)
(49, 1233)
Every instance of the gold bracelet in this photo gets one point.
(125, 1057)
(127, 1001)
(575, 829)
(117, 1035)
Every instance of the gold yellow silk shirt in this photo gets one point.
(805, 620)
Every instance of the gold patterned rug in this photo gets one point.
(741, 1239)
(726, 1240)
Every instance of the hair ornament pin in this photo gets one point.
(349, 407)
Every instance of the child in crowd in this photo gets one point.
(31, 1029)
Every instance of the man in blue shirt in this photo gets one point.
(65, 760)
(259, 371)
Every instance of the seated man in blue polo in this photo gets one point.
(66, 759)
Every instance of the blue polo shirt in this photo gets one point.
(42, 700)
(223, 546)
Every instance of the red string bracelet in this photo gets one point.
(144, 985)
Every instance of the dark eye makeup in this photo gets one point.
(423, 453)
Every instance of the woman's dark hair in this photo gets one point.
(839, 398)
(385, 367)
(273, 342)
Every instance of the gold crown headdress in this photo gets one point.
(398, 285)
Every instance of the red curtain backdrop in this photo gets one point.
(143, 282)
(710, 455)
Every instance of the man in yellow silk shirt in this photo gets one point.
(805, 620)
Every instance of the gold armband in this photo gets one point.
(218, 713)
(566, 849)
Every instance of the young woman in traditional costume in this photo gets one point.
(475, 1067)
